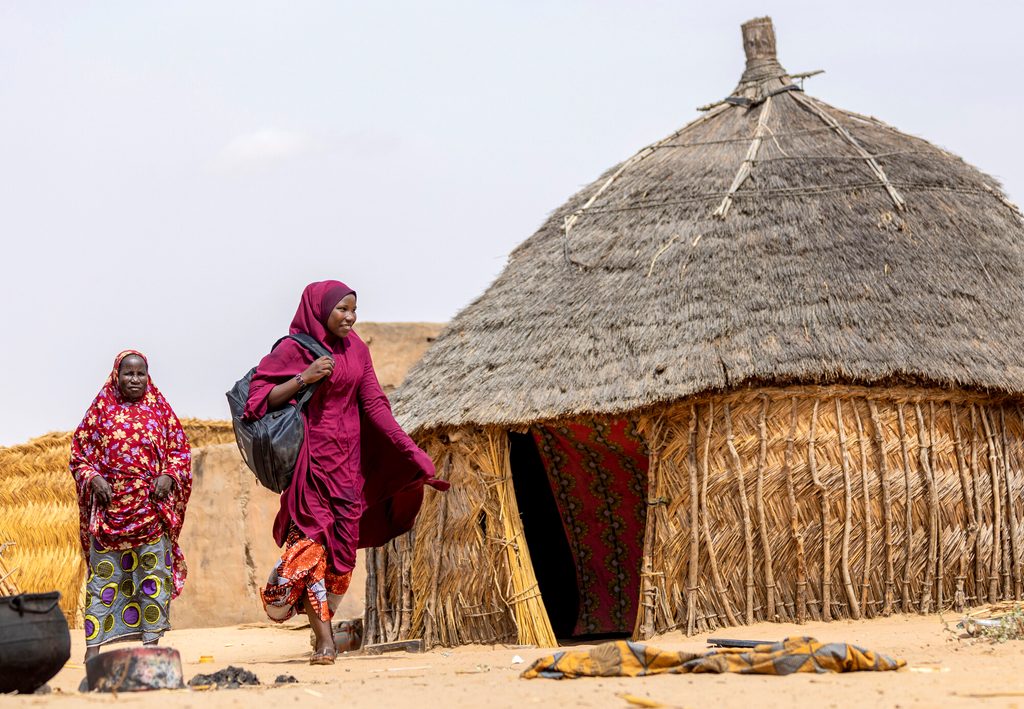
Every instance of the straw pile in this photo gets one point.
(39, 512)
(204, 432)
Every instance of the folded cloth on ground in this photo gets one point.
(629, 659)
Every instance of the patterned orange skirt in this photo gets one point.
(301, 576)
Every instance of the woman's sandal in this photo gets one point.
(326, 657)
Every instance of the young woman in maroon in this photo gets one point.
(359, 477)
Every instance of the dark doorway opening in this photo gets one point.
(582, 486)
(545, 536)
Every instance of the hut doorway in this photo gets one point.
(581, 489)
(549, 547)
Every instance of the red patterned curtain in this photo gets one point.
(598, 473)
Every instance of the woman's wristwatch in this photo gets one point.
(298, 378)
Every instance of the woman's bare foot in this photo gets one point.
(325, 651)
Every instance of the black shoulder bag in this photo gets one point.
(270, 445)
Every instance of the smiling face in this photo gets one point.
(133, 377)
(343, 317)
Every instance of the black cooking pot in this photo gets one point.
(34, 641)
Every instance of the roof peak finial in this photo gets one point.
(758, 40)
(759, 46)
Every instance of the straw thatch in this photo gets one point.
(811, 319)
(775, 238)
(39, 512)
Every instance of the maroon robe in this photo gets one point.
(359, 477)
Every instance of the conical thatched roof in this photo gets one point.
(776, 238)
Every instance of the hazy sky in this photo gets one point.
(173, 173)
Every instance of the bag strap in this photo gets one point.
(310, 344)
(315, 349)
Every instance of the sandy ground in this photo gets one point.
(943, 672)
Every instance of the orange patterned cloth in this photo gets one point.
(301, 576)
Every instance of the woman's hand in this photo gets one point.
(162, 487)
(322, 367)
(101, 490)
(285, 391)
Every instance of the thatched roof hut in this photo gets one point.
(768, 367)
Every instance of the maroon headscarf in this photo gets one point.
(315, 306)
(359, 478)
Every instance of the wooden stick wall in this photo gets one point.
(830, 502)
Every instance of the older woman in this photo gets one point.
(132, 465)
(359, 478)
